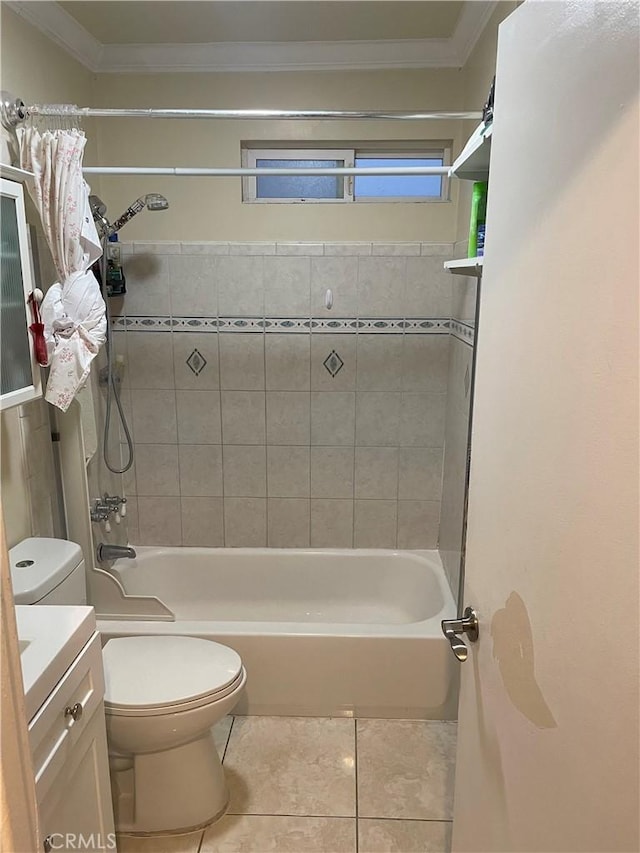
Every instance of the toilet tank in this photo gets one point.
(48, 571)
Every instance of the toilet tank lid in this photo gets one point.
(39, 565)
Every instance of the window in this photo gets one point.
(320, 189)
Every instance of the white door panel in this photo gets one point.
(548, 731)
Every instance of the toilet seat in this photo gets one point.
(154, 675)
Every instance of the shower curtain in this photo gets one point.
(73, 310)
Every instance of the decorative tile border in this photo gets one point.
(463, 332)
(306, 248)
(287, 325)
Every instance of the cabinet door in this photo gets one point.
(76, 813)
(19, 372)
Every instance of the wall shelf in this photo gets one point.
(465, 266)
(473, 162)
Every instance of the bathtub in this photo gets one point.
(321, 632)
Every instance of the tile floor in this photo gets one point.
(320, 785)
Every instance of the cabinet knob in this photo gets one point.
(46, 844)
(74, 711)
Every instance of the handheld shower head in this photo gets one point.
(152, 201)
(155, 201)
(99, 213)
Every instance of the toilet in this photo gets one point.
(162, 696)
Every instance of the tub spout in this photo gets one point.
(113, 552)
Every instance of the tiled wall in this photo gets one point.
(457, 420)
(260, 417)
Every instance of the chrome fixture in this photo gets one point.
(107, 506)
(105, 552)
(467, 625)
(15, 111)
(106, 229)
(152, 202)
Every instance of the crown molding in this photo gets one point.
(51, 19)
(472, 21)
(63, 29)
(280, 56)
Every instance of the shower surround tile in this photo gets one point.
(309, 407)
(202, 522)
(288, 522)
(331, 523)
(288, 472)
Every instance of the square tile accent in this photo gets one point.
(333, 363)
(196, 362)
(292, 766)
(195, 373)
(406, 769)
(322, 345)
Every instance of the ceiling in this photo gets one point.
(133, 22)
(155, 36)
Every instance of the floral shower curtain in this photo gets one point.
(73, 310)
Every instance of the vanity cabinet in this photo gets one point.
(19, 371)
(69, 748)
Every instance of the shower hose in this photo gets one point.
(112, 385)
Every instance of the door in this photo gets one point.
(548, 723)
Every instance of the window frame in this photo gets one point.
(348, 152)
(250, 183)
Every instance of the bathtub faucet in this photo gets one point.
(113, 552)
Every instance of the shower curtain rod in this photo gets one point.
(241, 171)
(15, 111)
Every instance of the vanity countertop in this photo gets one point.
(50, 637)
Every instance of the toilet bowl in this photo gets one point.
(162, 696)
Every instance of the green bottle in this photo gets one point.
(478, 217)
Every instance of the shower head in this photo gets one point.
(155, 201)
(99, 213)
(152, 201)
(98, 207)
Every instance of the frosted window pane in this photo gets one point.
(299, 186)
(398, 186)
(15, 360)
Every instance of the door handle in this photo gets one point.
(467, 625)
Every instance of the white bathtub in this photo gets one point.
(321, 632)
